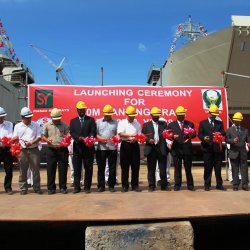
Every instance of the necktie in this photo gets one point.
(81, 121)
(212, 124)
(156, 135)
(238, 129)
(181, 125)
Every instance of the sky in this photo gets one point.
(123, 37)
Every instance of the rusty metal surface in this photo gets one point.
(122, 206)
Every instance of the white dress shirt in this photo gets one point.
(27, 133)
(6, 129)
(124, 126)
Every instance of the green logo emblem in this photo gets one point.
(212, 97)
(43, 98)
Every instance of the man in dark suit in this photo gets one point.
(80, 127)
(237, 137)
(212, 151)
(156, 150)
(182, 149)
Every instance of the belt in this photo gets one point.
(29, 148)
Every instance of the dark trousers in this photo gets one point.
(187, 162)
(7, 159)
(130, 156)
(212, 160)
(101, 157)
(154, 156)
(239, 164)
(85, 156)
(57, 157)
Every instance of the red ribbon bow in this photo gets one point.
(89, 141)
(218, 138)
(115, 139)
(15, 149)
(65, 141)
(188, 132)
(168, 134)
(6, 141)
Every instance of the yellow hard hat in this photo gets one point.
(180, 110)
(131, 111)
(155, 111)
(81, 105)
(56, 114)
(238, 116)
(108, 110)
(214, 110)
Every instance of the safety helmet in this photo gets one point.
(108, 110)
(2, 112)
(56, 114)
(238, 116)
(155, 111)
(180, 110)
(214, 110)
(26, 112)
(81, 105)
(131, 111)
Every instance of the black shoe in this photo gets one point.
(151, 189)
(221, 187)
(51, 191)
(245, 188)
(39, 191)
(23, 192)
(9, 191)
(63, 191)
(167, 188)
(101, 189)
(177, 188)
(29, 185)
(75, 191)
(111, 189)
(86, 190)
(136, 189)
(207, 188)
(191, 188)
(235, 189)
(124, 189)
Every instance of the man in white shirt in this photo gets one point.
(130, 152)
(6, 130)
(28, 133)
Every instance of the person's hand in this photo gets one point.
(49, 141)
(176, 136)
(236, 140)
(207, 138)
(151, 141)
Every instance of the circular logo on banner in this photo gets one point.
(212, 97)
(43, 120)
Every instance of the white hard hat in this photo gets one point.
(26, 112)
(2, 112)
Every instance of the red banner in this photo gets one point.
(196, 100)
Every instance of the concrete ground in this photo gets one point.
(119, 206)
(59, 221)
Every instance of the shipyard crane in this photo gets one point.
(60, 73)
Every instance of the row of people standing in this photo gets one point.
(29, 134)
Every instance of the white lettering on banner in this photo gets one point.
(93, 112)
(134, 101)
(164, 93)
(104, 92)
